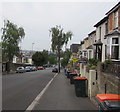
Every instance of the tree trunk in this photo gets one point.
(8, 67)
(59, 61)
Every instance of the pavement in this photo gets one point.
(60, 95)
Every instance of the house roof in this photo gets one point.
(82, 42)
(92, 32)
(114, 32)
(86, 38)
(101, 21)
(113, 9)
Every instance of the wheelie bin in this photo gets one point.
(108, 102)
(81, 85)
(71, 76)
(68, 72)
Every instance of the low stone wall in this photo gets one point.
(108, 83)
(13, 67)
(100, 82)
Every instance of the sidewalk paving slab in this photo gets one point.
(61, 96)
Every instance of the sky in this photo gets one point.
(38, 17)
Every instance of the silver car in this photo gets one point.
(20, 70)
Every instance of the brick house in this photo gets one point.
(113, 35)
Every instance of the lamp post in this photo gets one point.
(32, 47)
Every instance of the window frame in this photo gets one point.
(113, 45)
(116, 19)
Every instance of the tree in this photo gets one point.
(38, 58)
(52, 59)
(64, 61)
(59, 38)
(11, 36)
(45, 55)
(66, 57)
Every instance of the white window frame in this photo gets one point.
(90, 54)
(116, 19)
(115, 45)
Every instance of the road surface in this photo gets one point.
(20, 89)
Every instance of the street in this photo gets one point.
(60, 56)
(19, 90)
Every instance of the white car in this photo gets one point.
(20, 70)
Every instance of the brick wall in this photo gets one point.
(119, 19)
(110, 22)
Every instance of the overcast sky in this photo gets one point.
(37, 18)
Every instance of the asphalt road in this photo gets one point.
(19, 90)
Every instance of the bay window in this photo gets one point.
(115, 48)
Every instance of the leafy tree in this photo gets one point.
(45, 55)
(64, 61)
(11, 36)
(67, 53)
(38, 58)
(59, 38)
(52, 59)
(66, 57)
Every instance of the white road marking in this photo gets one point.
(35, 101)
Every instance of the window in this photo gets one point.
(85, 54)
(115, 52)
(116, 19)
(105, 51)
(115, 48)
(90, 54)
(106, 28)
(100, 33)
(114, 40)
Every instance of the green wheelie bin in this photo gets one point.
(81, 86)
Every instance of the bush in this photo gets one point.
(93, 61)
(91, 66)
(108, 61)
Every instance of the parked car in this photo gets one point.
(40, 68)
(55, 70)
(20, 70)
(34, 68)
(28, 69)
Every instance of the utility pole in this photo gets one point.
(32, 47)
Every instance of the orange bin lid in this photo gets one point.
(110, 97)
(80, 78)
(73, 73)
(69, 71)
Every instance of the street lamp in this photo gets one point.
(32, 47)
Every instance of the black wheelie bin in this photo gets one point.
(108, 102)
(71, 76)
(81, 85)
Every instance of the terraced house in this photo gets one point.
(104, 42)
(113, 35)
